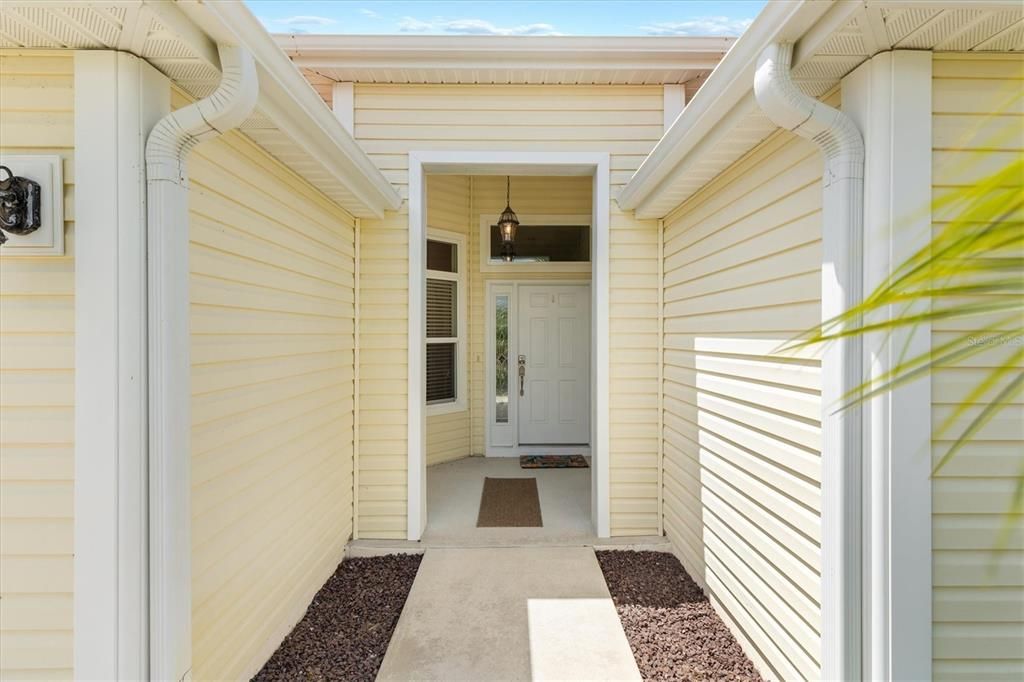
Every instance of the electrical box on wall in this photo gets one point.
(46, 170)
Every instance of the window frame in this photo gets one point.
(461, 402)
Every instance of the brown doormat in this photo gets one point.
(553, 462)
(509, 503)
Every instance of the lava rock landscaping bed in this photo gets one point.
(671, 626)
(347, 628)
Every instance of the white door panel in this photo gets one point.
(554, 338)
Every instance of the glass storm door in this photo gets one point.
(550, 375)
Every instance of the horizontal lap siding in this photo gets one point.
(391, 120)
(978, 593)
(37, 386)
(633, 382)
(272, 320)
(741, 480)
(624, 121)
(383, 375)
(448, 435)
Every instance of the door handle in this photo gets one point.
(522, 373)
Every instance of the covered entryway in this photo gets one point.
(507, 354)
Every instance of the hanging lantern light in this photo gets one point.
(507, 225)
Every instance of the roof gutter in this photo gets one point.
(842, 366)
(167, 149)
(285, 87)
(727, 86)
(289, 101)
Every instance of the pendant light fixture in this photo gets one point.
(507, 225)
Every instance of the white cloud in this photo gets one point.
(701, 26)
(305, 20)
(370, 13)
(473, 27)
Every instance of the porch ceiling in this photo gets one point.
(712, 134)
(171, 41)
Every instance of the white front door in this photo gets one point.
(551, 373)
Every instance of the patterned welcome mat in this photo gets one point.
(553, 462)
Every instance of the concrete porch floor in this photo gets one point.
(453, 500)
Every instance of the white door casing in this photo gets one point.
(491, 162)
(554, 359)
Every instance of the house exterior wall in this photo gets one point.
(272, 328)
(37, 383)
(742, 432)
(978, 575)
(448, 202)
(392, 120)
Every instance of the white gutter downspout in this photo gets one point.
(841, 288)
(170, 552)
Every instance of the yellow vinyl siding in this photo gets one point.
(626, 122)
(272, 322)
(391, 120)
(383, 374)
(978, 590)
(37, 387)
(633, 384)
(741, 480)
(448, 209)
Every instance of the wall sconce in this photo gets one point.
(19, 204)
(507, 225)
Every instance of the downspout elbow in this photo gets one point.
(226, 108)
(788, 107)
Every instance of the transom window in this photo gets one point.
(445, 338)
(545, 244)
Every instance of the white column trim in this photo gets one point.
(890, 98)
(343, 103)
(595, 164)
(416, 520)
(118, 98)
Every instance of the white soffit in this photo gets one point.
(844, 37)
(169, 40)
(505, 60)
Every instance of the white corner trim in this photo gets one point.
(343, 101)
(673, 103)
(416, 517)
(842, 219)
(889, 96)
(595, 164)
(118, 98)
(170, 396)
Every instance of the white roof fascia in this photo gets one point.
(291, 103)
(506, 52)
(728, 86)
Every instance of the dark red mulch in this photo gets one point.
(347, 628)
(671, 626)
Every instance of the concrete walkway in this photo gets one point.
(511, 613)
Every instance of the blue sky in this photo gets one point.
(509, 17)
